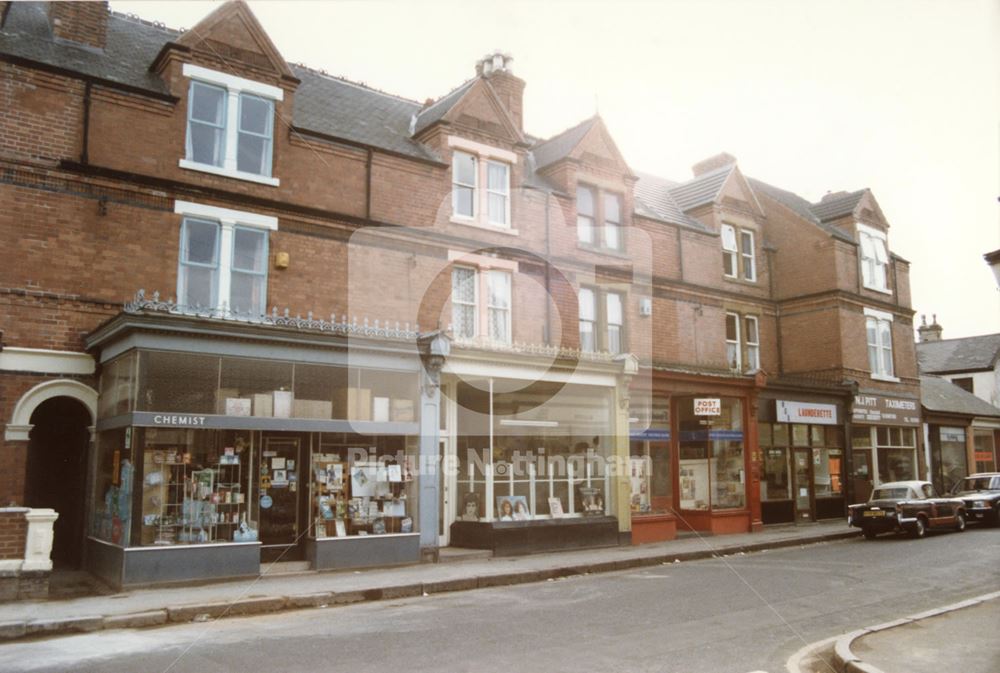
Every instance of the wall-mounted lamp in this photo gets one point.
(281, 260)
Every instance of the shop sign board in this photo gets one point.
(806, 412)
(881, 410)
(707, 406)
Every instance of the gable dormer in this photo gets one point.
(230, 40)
(232, 84)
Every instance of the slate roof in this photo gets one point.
(799, 205)
(342, 109)
(323, 103)
(132, 45)
(653, 199)
(440, 108)
(937, 394)
(560, 145)
(834, 207)
(702, 189)
(959, 355)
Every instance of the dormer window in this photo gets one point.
(588, 219)
(874, 258)
(230, 129)
(738, 253)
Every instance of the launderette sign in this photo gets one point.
(806, 412)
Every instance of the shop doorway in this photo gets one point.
(281, 500)
(56, 473)
(802, 471)
(862, 475)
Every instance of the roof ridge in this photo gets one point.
(454, 90)
(977, 336)
(838, 197)
(720, 169)
(135, 18)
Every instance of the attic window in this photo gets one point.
(874, 258)
(230, 128)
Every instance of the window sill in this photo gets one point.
(887, 379)
(224, 172)
(737, 279)
(880, 290)
(455, 219)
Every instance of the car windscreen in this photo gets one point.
(891, 493)
(980, 483)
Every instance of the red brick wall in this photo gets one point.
(13, 535)
(83, 22)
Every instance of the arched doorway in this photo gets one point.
(56, 471)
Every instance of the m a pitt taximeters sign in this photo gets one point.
(877, 409)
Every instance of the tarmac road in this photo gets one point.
(730, 615)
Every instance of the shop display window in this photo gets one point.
(548, 457)
(827, 471)
(363, 486)
(896, 454)
(181, 382)
(711, 466)
(952, 465)
(649, 455)
(113, 487)
(985, 450)
(117, 386)
(231, 386)
(195, 486)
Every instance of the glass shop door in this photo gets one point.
(802, 469)
(279, 499)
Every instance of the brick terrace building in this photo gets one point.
(528, 311)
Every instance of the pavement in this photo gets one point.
(956, 637)
(273, 593)
(936, 638)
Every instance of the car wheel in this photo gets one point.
(960, 522)
(869, 533)
(919, 528)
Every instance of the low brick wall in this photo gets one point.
(16, 583)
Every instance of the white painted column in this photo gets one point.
(38, 546)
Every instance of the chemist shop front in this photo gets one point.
(224, 446)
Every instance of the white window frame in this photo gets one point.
(456, 184)
(228, 221)
(748, 257)
(234, 86)
(586, 225)
(612, 225)
(592, 321)
(753, 347)
(734, 344)
(608, 324)
(504, 193)
(873, 258)
(485, 156)
(491, 308)
(882, 346)
(474, 303)
(730, 251)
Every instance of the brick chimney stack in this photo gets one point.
(711, 163)
(496, 67)
(85, 23)
(930, 332)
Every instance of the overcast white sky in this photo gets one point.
(900, 96)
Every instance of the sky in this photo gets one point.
(902, 97)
